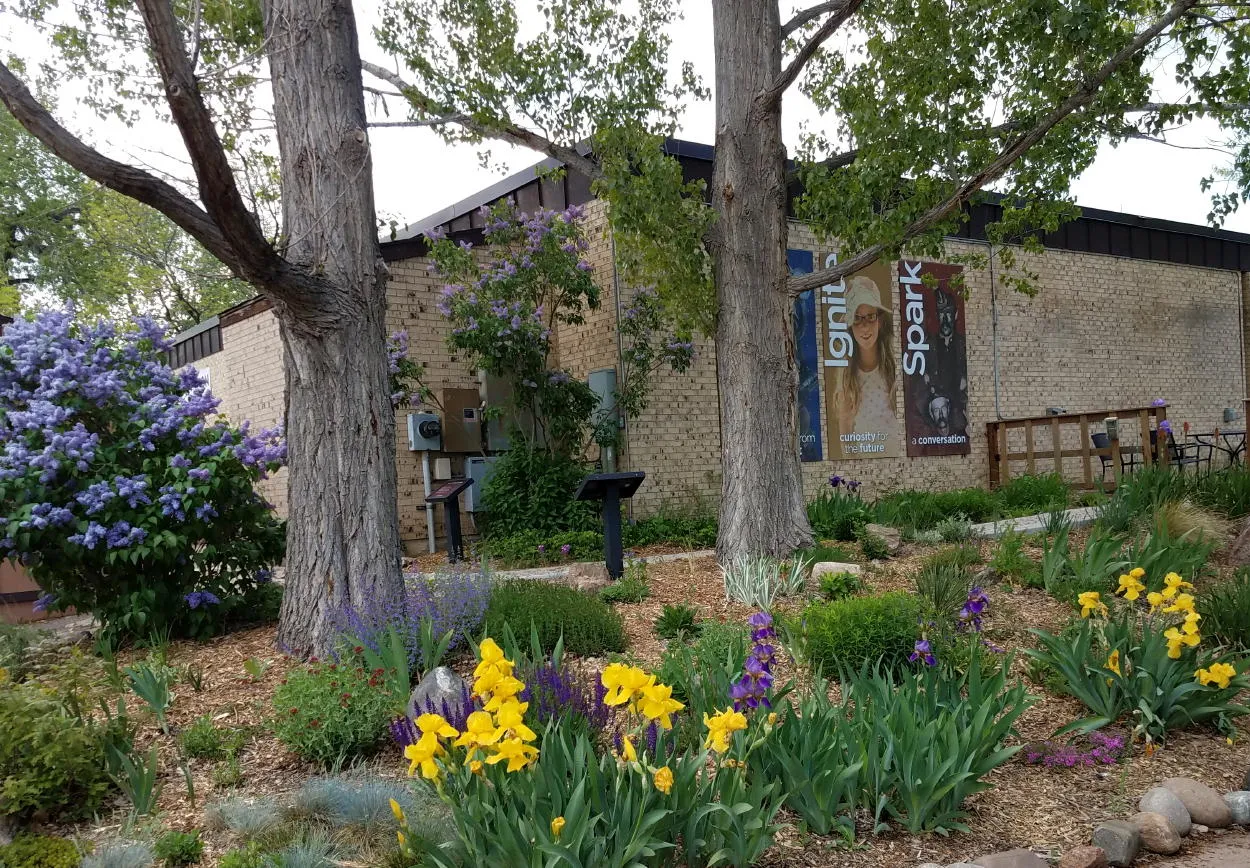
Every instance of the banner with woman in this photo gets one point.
(860, 365)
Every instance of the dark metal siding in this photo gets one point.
(195, 347)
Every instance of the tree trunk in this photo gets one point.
(343, 537)
(762, 505)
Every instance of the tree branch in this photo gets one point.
(127, 180)
(1079, 98)
(842, 10)
(508, 132)
(806, 15)
(428, 122)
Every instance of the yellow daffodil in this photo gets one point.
(627, 750)
(663, 780)
(479, 731)
(1219, 674)
(557, 826)
(1091, 601)
(1137, 573)
(1113, 662)
(1182, 603)
(656, 703)
(510, 717)
(397, 811)
(516, 752)
(721, 726)
(1176, 639)
(1155, 599)
(434, 723)
(1130, 587)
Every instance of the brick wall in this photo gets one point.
(1103, 332)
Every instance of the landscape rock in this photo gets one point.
(589, 577)
(929, 865)
(1204, 804)
(832, 568)
(1158, 835)
(1084, 857)
(1120, 840)
(439, 686)
(1239, 805)
(1159, 800)
(892, 537)
(1012, 859)
(1198, 829)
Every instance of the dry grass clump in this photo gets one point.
(1183, 518)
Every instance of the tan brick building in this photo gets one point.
(1129, 310)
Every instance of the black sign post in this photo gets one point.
(610, 488)
(448, 494)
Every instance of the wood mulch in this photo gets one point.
(1048, 810)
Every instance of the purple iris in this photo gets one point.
(752, 687)
(923, 651)
(835, 480)
(970, 614)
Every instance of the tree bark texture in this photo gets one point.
(762, 506)
(343, 542)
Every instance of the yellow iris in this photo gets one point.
(422, 753)
(721, 726)
(516, 752)
(627, 750)
(1137, 573)
(510, 717)
(663, 780)
(557, 826)
(1176, 639)
(434, 723)
(624, 683)
(656, 703)
(1130, 587)
(1091, 601)
(1191, 623)
(1155, 599)
(1219, 674)
(1183, 603)
(1113, 662)
(397, 811)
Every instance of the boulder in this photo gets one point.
(589, 577)
(832, 568)
(1204, 804)
(1159, 800)
(1120, 840)
(1158, 835)
(1012, 859)
(892, 537)
(440, 689)
(1239, 806)
(1084, 857)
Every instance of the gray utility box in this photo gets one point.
(479, 470)
(425, 432)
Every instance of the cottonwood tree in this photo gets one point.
(924, 103)
(325, 277)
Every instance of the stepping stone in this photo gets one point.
(1012, 859)
(1158, 835)
(1204, 804)
(1158, 800)
(1084, 857)
(1120, 840)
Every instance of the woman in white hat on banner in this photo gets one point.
(865, 394)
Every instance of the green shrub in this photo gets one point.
(924, 510)
(944, 588)
(823, 554)
(1027, 495)
(1009, 559)
(176, 849)
(836, 586)
(15, 642)
(837, 511)
(590, 627)
(677, 622)
(965, 556)
(39, 851)
(1226, 491)
(1160, 552)
(531, 490)
(257, 605)
(159, 521)
(252, 855)
(695, 527)
(227, 774)
(205, 740)
(954, 529)
(874, 547)
(1225, 610)
(846, 634)
(911, 751)
(534, 549)
(331, 712)
(721, 648)
(629, 588)
(50, 759)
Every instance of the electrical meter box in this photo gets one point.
(425, 432)
(479, 470)
(462, 420)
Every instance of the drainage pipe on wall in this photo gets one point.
(429, 507)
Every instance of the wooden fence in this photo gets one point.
(1045, 444)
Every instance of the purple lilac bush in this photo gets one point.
(119, 490)
(454, 601)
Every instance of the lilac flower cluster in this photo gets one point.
(852, 485)
(195, 599)
(1101, 749)
(751, 690)
(453, 601)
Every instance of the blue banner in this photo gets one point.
(808, 359)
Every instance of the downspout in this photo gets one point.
(620, 357)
